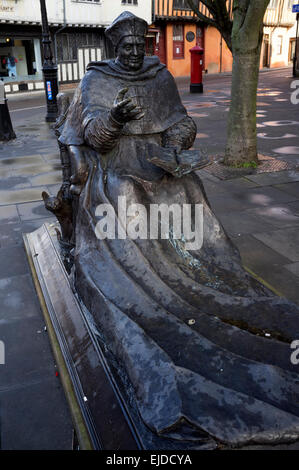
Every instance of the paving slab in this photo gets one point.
(278, 177)
(9, 214)
(235, 185)
(26, 351)
(241, 222)
(294, 206)
(281, 215)
(256, 197)
(290, 188)
(33, 210)
(28, 170)
(18, 196)
(11, 235)
(27, 424)
(255, 254)
(17, 300)
(284, 241)
(20, 161)
(53, 189)
(53, 157)
(15, 182)
(13, 261)
(29, 226)
(293, 268)
(269, 265)
(48, 178)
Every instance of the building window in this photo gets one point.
(87, 1)
(180, 5)
(279, 45)
(129, 2)
(290, 4)
(292, 49)
(68, 44)
(273, 4)
(178, 41)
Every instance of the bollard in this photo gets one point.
(6, 130)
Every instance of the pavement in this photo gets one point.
(260, 212)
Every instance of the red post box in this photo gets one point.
(196, 85)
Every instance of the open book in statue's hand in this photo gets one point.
(178, 164)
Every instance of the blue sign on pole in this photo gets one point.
(295, 8)
(49, 91)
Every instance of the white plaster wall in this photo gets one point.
(113, 8)
(77, 12)
(278, 60)
(23, 10)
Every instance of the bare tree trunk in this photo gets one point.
(247, 36)
(242, 29)
(241, 144)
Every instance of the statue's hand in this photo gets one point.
(123, 110)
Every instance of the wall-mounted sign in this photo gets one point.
(190, 36)
(49, 91)
(295, 8)
(6, 6)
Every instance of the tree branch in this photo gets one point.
(255, 12)
(200, 15)
(240, 8)
(221, 18)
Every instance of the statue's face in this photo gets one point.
(131, 51)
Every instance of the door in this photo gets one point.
(292, 49)
(160, 47)
(150, 45)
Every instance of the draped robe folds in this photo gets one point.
(205, 347)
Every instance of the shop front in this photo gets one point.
(20, 59)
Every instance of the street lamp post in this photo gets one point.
(49, 67)
(295, 59)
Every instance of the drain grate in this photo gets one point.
(267, 164)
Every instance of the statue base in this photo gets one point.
(99, 414)
(104, 417)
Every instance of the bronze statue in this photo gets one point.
(201, 348)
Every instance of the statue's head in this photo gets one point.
(127, 34)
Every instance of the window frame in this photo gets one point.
(181, 7)
(271, 6)
(178, 42)
(290, 4)
(134, 3)
(279, 44)
(89, 2)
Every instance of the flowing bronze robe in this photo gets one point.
(186, 329)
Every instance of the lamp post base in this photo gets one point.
(51, 117)
(6, 129)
